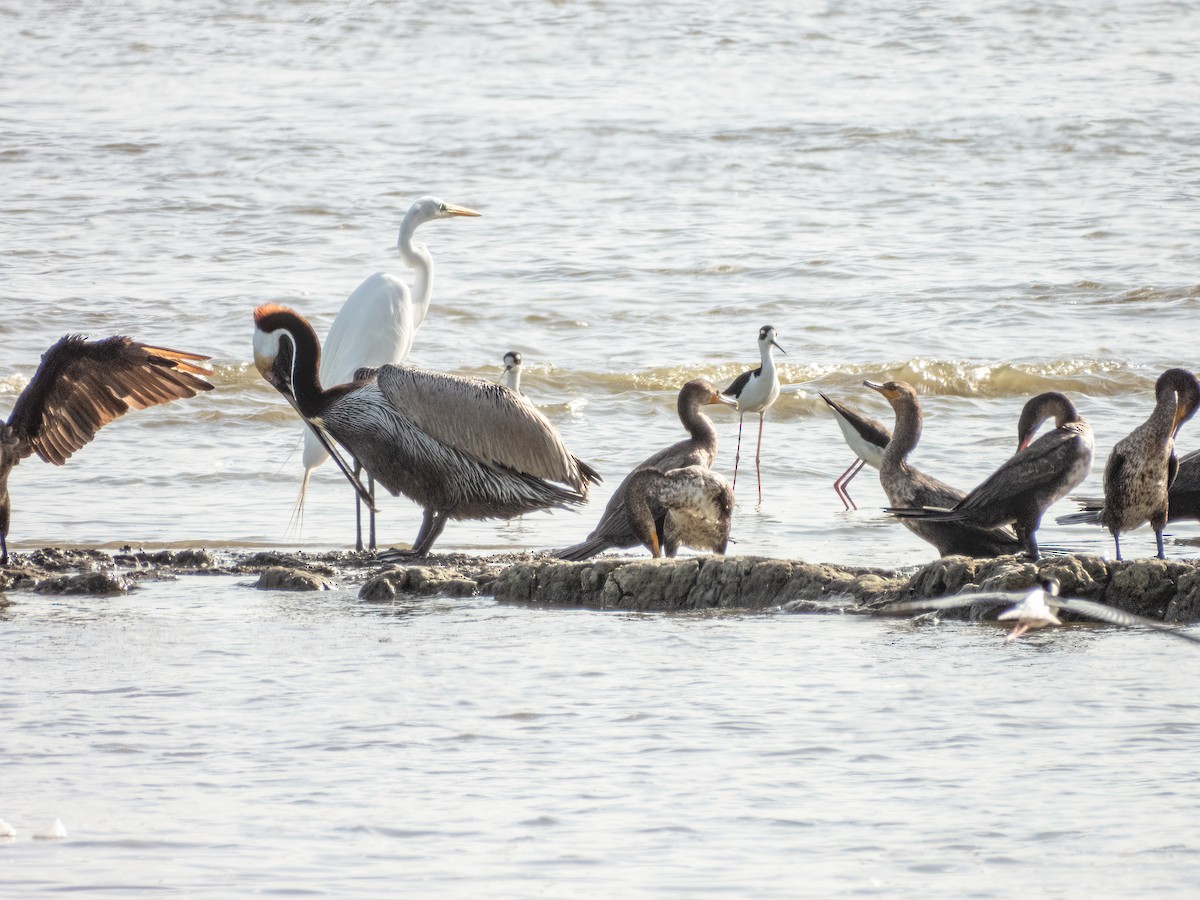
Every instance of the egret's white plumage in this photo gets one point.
(376, 324)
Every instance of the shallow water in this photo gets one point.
(988, 204)
(205, 736)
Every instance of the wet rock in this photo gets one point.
(57, 559)
(281, 578)
(703, 582)
(1185, 605)
(1145, 586)
(262, 561)
(95, 583)
(948, 575)
(425, 581)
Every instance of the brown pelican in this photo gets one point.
(865, 436)
(755, 391)
(376, 326)
(81, 386)
(1038, 609)
(1143, 464)
(700, 449)
(907, 486)
(698, 504)
(511, 378)
(1035, 477)
(459, 447)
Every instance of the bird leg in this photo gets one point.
(371, 515)
(758, 457)
(840, 483)
(432, 527)
(1117, 544)
(358, 544)
(737, 457)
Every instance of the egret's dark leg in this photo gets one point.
(737, 457)
(1117, 544)
(3, 551)
(358, 544)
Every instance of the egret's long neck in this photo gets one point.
(416, 256)
(905, 435)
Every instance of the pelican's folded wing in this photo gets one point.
(484, 420)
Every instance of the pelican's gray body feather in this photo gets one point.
(465, 448)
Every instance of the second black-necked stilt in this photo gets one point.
(755, 391)
(865, 436)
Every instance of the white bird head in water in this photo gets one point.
(1033, 611)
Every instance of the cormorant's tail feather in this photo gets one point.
(924, 512)
(1087, 517)
(584, 550)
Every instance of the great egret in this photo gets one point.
(80, 387)
(376, 325)
(907, 486)
(1035, 477)
(700, 449)
(755, 391)
(459, 447)
(1141, 467)
(865, 436)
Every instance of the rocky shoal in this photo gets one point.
(1166, 590)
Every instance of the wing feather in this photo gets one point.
(483, 420)
(83, 385)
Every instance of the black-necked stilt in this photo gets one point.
(865, 436)
(695, 507)
(699, 449)
(755, 391)
(511, 377)
(1037, 475)
(461, 448)
(1142, 466)
(907, 486)
(81, 386)
(375, 327)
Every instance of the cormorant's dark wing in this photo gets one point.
(83, 385)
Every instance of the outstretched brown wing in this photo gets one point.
(83, 385)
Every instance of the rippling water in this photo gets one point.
(988, 204)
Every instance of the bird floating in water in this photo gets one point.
(908, 487)
(56, 831)
(865, 436)
(458, 447)
(699, 449)
(756, 391)
(694, 505)
(1034, 478)
(1038, 609)
(80, 387)
(1143, 465)
(376, 326)
(511, 377)
(6, 830)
